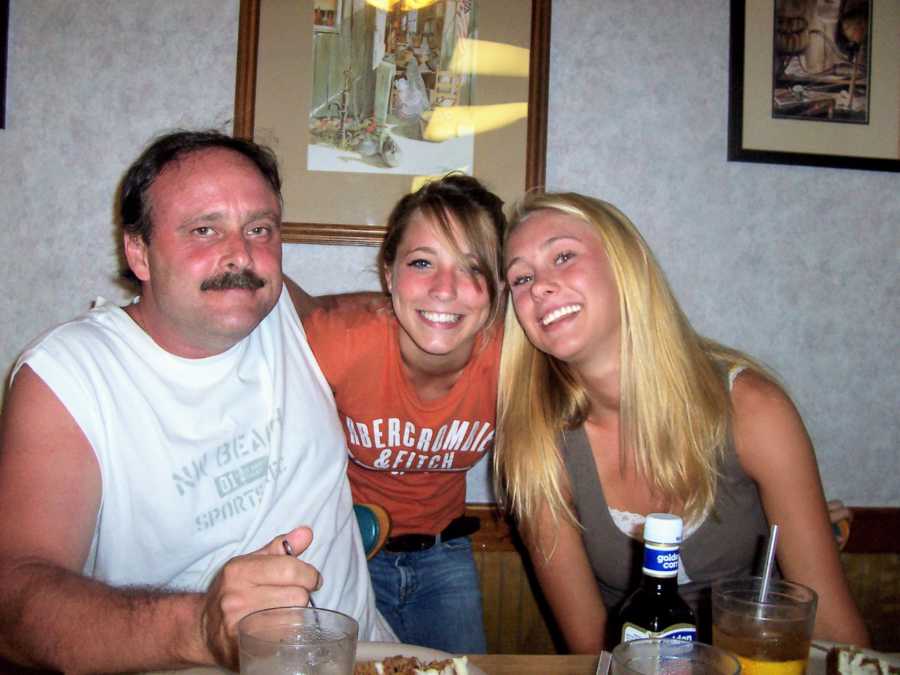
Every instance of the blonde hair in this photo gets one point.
(675, 407)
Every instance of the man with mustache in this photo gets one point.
(246, 280)
(155, 457)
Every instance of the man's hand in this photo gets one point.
(841, 517)
(259, 580)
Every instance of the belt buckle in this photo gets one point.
(410, 543)
(422, 542)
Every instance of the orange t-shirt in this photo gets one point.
(408, 455)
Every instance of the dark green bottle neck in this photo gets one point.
(659, 586)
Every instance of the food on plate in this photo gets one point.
(847, 660)
(409, 665)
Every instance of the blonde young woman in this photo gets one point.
(612, 407)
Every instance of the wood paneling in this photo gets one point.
(874, 530)
(514, 620)
(874, 580)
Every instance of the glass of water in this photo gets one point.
(297, 641)
(661, 656)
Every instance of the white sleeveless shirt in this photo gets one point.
(205, 459)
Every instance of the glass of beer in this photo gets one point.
(297, 641)
(665, 656)
(770, 635)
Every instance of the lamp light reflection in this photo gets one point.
(483, 57)
(403, 5)
(455, 121)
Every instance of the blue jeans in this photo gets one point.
(432, 598)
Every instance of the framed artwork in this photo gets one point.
(396, 92)
(4, 38)
(327, 16)
(815, 82)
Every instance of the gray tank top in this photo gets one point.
(729, 542)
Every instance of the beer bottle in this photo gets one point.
(655, 609)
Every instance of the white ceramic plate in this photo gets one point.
(818, 653)
(375, 651)
(197, 670)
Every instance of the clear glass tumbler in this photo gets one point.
(297, 641)
(770, 636)
(663, 656)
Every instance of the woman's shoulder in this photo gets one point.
(768, 429)
(753, 392)
(352, 311)
(345, 333)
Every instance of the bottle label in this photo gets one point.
(660, 560)
(679, 631)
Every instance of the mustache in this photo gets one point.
(246, 279)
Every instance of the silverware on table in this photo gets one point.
(604, 663)
(290, 551)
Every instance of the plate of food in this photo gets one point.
(829, 658)
(396, 658)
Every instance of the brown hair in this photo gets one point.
(476, 211)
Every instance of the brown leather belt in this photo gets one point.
(409, 543)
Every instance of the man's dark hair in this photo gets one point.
(135, 207)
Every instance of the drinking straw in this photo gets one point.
(770, 559)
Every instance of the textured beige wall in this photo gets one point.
(798, 265)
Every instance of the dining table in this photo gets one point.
(534, 664)
(491, 664)
(538, 664)
(503, 664)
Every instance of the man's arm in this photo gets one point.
(53, 617)
(305, 303)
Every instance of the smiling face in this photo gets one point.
(440, 303)
(562, 288)
(212, 269)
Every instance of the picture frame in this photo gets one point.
(758, 58)
(4, 46)
(273, 96)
